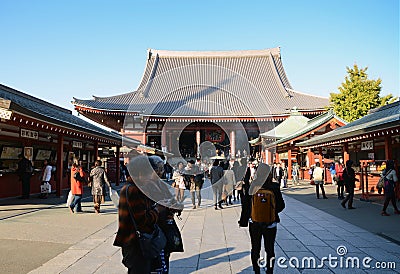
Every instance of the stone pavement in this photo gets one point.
(214, 243)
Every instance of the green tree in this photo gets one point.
(357, 95)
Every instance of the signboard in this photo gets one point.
(215, 136)
(77, 144)
(31, 134)
(367, 145)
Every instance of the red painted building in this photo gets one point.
(44, 131)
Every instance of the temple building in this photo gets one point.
(186, 98)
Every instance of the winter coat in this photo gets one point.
(98, 179)
(229, 181)
(76, 186)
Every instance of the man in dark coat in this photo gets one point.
(24, 171)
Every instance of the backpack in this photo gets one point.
(388, 185)
(263, 206)
(318, 174)
(79, 178)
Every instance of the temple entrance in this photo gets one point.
(187, 145)
(195, 134)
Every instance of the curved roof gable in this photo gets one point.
(183, 83)
(377, 119)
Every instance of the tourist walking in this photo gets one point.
(179, 183)
(168, 171)
(98, 180)
(318, 176)
(340, 182)
(229, 182)
(332, 170)
(261, 215)
(285, 174)
(295, 175)
(77, 181)
(278, 174)
(24, 172)
(349, 177)
(45, 177)
(137, 204)
(190, 172)
(241, 173)
(216, 174)
(390, 179)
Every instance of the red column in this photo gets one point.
(233, 143)
(164, 138)
(59, 164)
(310, 156)
(320, 156)
(346, 155)
(388, 148)
(117, 166)
(96, 150)
(289, 168)
(270, 160)
(276, 157)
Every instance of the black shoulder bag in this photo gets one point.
(150, 244)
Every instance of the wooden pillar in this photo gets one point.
(59, 164)
(169, 141)
(320, 156)
(289, 168)
(276, 157)
(388, 148)
(233, 143)
(270, 159)
(311, 160)
(164, 138)
(117, 166)
(96, 150)
(346, 155)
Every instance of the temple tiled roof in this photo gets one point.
(382, 118)
(35, 107)
(249, 83)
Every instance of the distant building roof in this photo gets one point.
(249, 83)
(304, 126)
(381, 118)
(292, 124)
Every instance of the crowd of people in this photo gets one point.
(146, 203)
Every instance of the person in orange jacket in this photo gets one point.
(77, 181)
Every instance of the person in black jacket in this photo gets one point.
(349, 177)
(263, 179)
(24, 171)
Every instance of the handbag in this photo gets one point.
(70, 198)
(174, 237)
(381, 182)
(114, 197)
(239, 185)
(45, 188)
(151, 244)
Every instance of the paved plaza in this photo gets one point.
(82, 243)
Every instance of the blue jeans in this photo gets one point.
(76, 203)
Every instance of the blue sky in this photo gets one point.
(56, 50)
